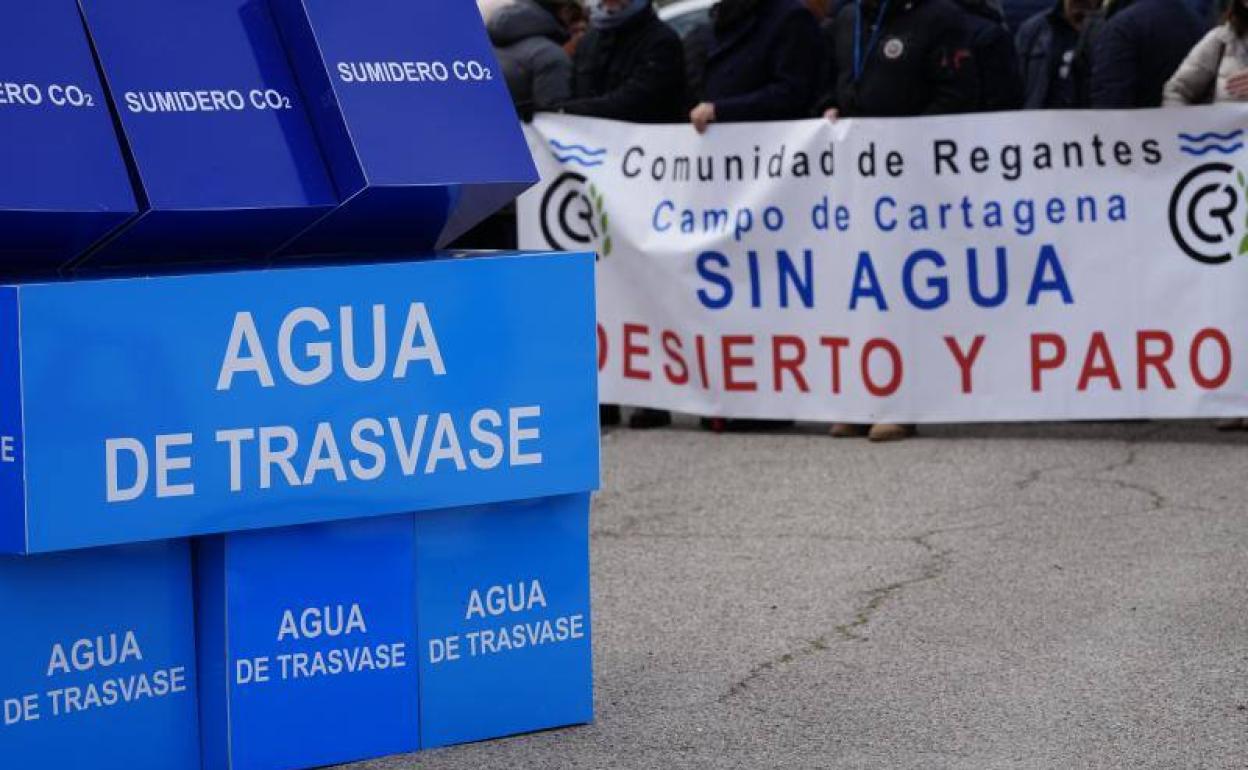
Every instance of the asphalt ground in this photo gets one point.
(1046, 596)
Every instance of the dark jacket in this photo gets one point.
(767, 66)
(920, 65)
(636, 73)
(528, 40)
(1042, 42)
(1139, 47)
(999, 82)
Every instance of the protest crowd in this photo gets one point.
(759, 60)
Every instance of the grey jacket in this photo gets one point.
(528, 41)
(1201, 78)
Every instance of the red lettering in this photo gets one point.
(966, 361)
(1099, 362)
(793, 365)
(672, 346)
(835, 345)
(1159, 361)
(732, 362)
(1040, 363)
(1224, 373)
(895, 382)
(701, 346)
(632, 349)
(602, 348)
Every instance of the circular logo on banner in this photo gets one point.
(572, 214)
(894, 48)
(1205, 209)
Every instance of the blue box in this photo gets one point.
(211, 403)
(63, 181)
(99, 660)
(504, 619)
(217, 134)
(413, 116)
(307, 645)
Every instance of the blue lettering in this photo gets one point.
(803, 283)
(1046, 263)
(658, 210)
(1003, 279)
(939, 283)
(706, 261)
(865, 271)
(885, 225)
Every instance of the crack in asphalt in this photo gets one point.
(938, 560)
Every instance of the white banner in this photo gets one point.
(1018, 266)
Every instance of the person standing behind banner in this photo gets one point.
(629, 66)
(1140, 45)
(999, 80)
(900, 58)
(1054, 75)
(528, 39)
(1214, 72)
(764, 63)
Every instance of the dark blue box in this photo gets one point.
(504, 619)
(307, 645)
(63, 181)
(413, 116)
(218, 137)
(99, 660)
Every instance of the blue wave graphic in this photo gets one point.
(577, 159)
(1234, 148)
(578, 148)
(1230, 135)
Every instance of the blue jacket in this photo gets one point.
(767, 67)
(1139, 47)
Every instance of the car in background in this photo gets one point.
(686, 15)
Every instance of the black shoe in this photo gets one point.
(648, 419)
(608, 415)
(722, 425)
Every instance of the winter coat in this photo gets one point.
(1139, 47)
(1201, 78)
(635, 73)
(1042, 42)
(921, 64)
(528, 40)
(999, 82)
(766, 67)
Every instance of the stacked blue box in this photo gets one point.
(63, 181)
(386, 460)
(413, 116)
(99, 660)
(209, 403)
(307, 645)
(219, 142)
(503, 608)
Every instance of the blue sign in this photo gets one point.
(63, 182)
(307, 645)
(151, 408)
(503, 609)
(413, 116)
(99, 660)
(216, 129)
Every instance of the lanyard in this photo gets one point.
(860, 61)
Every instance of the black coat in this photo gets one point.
(998, 78)
(635, 73)
(921, 64)
(1137, 50)
(766, 67)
